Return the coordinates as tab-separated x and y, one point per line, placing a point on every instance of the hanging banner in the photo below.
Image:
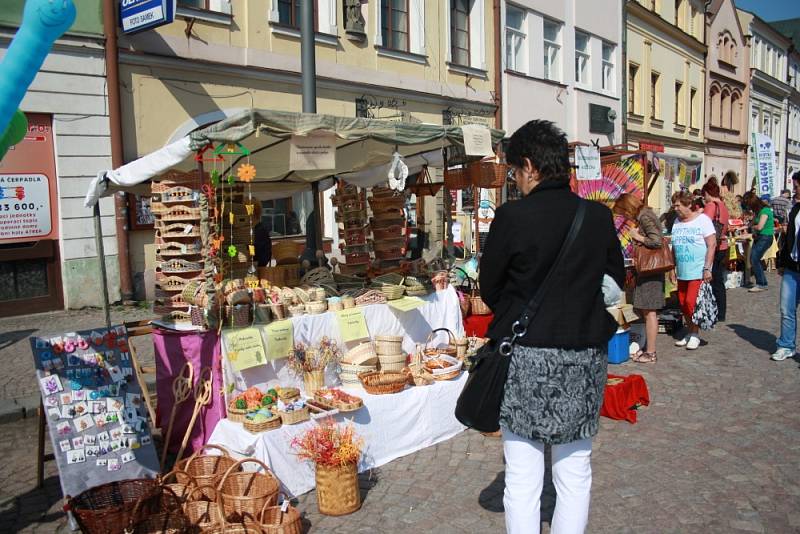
477	140
764	156
587	158
280	339
244	348
352	325
312	152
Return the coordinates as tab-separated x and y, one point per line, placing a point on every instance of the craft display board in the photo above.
94	407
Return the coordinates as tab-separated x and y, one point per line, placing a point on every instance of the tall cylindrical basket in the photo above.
313	380
337	489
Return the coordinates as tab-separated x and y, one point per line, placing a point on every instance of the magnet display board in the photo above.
94	408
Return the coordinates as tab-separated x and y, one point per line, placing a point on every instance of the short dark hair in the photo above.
796	176
545	146
711	188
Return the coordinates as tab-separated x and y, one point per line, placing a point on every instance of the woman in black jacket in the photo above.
557	374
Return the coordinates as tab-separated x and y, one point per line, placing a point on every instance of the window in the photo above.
679	14
736	112
289	13
459	31
552	50
692	22
515	39
633	81
766	122
582	59
693	108
655	97
198	4
394	24
608	67
716	106
678	103
725	114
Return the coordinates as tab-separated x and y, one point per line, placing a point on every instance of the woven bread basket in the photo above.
383	383
295	416
316	307
270	424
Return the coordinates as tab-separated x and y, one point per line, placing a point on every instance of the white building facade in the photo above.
561	62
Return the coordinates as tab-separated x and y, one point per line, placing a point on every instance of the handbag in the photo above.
653	260
478	405
705	314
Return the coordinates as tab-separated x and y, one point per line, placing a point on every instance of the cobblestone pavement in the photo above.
718	450
18	382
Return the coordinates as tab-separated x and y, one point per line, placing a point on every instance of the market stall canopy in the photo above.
364	148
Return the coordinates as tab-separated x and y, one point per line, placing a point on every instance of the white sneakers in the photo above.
782	354
690	342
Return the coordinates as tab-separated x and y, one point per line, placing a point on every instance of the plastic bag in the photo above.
705	310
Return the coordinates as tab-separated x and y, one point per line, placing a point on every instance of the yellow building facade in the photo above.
666	88
430	61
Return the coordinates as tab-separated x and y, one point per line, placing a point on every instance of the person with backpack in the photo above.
717	211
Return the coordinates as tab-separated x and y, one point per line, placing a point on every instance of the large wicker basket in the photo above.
275	521
383	382
204	469
337	489
388	345
449	350
457	178
108	508
247	492
201	513
488	174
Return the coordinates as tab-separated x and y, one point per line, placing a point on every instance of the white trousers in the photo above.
572	478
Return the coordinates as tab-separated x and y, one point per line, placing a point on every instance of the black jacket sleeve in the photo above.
495	259
615	264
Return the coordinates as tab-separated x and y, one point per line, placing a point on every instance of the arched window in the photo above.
715	106
732	52
736	111
725	48
726	109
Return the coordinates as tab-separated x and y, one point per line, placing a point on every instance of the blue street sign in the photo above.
139	15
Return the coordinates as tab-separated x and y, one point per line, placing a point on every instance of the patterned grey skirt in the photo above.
554	395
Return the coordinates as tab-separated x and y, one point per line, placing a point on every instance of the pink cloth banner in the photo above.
172	350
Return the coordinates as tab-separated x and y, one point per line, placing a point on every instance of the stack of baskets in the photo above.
390	353
389	242
176	209
351	214
359	359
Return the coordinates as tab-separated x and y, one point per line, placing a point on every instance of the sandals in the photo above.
644	357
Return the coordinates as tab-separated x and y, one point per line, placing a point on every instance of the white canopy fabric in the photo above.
363	154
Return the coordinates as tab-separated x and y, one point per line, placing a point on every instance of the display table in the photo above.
172	349
392	426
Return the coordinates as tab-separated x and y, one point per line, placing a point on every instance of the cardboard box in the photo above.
623	314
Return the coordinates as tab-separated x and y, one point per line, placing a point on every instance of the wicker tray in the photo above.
236	414
383	383
270	424
295	416
345	407
452	367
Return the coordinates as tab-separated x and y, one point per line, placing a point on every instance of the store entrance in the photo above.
30	278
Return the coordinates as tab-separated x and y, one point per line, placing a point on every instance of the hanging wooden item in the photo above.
424	187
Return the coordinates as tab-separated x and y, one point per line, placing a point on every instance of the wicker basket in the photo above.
204	469
288	394
316	307
362	354
378	224
457	178
451	367
335	305
108	508
278	311
391	232
388	345
382	383
239	315
337	489
161	513
312	381
285	252
392	279
393	292
417	291
478	306
262	314
236	414
275	521
247	492
350	372
295	416
488	174
348	302
264	426
355	404
203	514
296	310
449	350
394	367
461	348
180	489
318	275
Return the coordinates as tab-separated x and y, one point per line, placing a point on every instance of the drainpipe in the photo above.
498	87
624	96
117	160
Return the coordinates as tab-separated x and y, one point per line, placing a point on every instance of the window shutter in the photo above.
220	6
274	14
417	26
378	34
477	37
326	11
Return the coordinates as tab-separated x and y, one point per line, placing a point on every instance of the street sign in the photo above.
651	146
140	15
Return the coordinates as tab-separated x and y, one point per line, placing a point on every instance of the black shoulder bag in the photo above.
478	406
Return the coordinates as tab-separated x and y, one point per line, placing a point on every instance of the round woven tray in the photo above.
235	414
383	383
270	424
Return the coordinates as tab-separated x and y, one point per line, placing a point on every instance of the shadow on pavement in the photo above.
31	508
9	338
760	339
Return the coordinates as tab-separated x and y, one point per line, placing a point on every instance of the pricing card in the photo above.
352	324
280	339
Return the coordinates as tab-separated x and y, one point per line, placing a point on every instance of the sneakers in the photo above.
693	343
782	354
683	342
757	289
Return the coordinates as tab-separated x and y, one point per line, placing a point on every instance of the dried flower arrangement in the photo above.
329	444
305	359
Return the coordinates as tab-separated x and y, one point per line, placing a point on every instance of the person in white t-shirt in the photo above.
694	241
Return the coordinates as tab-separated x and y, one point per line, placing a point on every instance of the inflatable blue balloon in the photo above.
43	21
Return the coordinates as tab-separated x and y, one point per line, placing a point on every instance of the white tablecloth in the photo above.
441	310
391	425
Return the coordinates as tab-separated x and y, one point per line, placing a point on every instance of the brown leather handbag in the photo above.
648	261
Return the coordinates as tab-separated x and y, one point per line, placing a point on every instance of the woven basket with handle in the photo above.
204	469
108	508
247	492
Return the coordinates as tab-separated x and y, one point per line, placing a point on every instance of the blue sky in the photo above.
770	10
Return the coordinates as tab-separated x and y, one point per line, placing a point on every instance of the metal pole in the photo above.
308	60
101	259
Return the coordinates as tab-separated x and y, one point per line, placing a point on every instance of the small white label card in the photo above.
146	440
65	398
134	400
114	464
101	462
116	445
64	428
89	439
76	456
100	420
65	445
115	404
51	384
115	433
127	457
51	401
116	373
78	395
93	451
67	411
77	442
134	443
81	408
84	422
105	446
103	436
53	414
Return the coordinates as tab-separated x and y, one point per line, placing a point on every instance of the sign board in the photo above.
280	339
601	119
312	152
477	140
28	200
764	155
352	325
140	15
651	146
587	158
94	407
244	347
